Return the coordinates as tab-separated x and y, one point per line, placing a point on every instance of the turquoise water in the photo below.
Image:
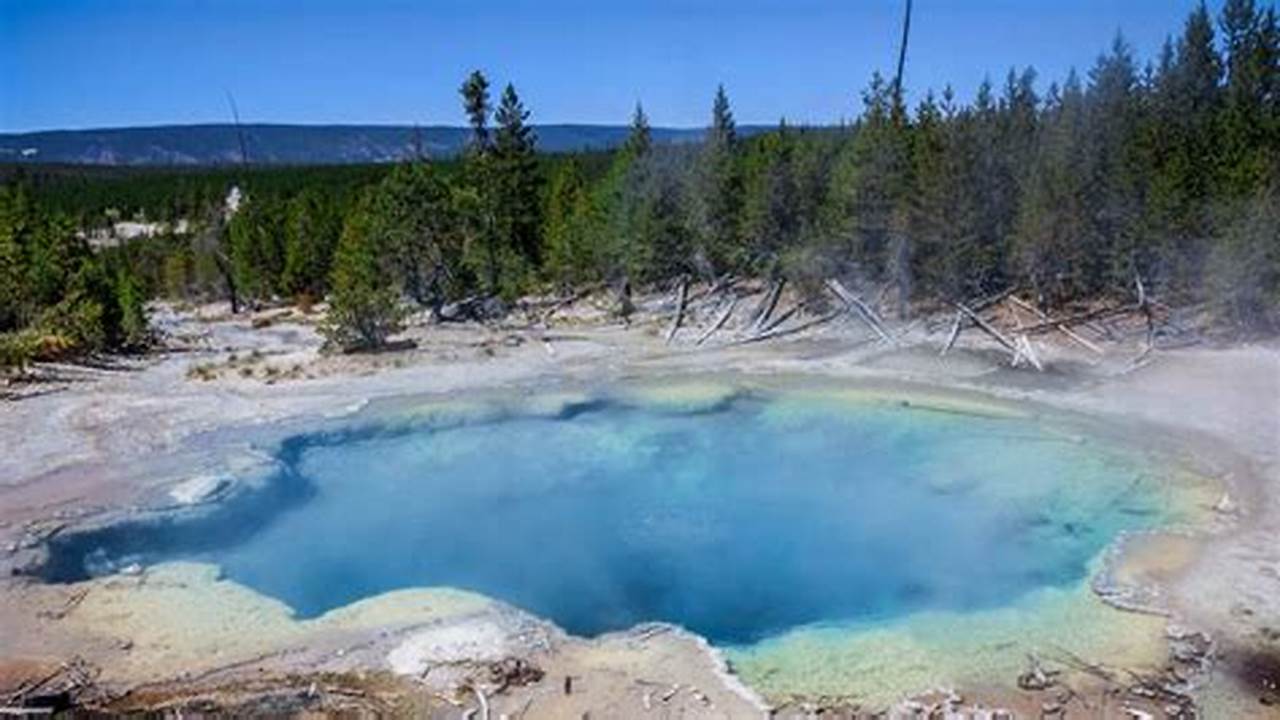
740	521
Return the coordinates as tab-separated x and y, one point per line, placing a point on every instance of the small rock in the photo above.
1226	505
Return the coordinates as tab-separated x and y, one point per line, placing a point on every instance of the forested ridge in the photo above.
1163	172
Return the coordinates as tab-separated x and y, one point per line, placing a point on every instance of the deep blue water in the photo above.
738	523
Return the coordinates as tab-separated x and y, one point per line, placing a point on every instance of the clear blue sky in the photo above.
95	63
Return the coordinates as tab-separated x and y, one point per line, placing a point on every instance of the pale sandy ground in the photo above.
90	445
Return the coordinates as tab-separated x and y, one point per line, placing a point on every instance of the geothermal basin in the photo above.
800	530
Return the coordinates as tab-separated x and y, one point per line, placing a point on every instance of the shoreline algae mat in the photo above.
828	540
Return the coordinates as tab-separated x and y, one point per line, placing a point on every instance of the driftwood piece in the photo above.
1068	332
681	304
1078	319
854	302
976	307
1144	306
720	321
768	305
988	328
774	323
777	333
954	334
1025	350
484	702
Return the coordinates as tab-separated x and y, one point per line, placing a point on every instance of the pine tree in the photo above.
364	305
570	222
412	215
310	234
475	102
134	330
718	194
772	212
1248	123
1116	187
639	140
1184	147
1052	229
517	181
871	185
256	248
948	261
622	249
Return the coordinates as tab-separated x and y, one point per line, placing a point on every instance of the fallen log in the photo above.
1024	347
1078	319
768	304
977	307
680	307
791	330
988	328
781	318
1073	335
1025	350
854	302
954	334
720	321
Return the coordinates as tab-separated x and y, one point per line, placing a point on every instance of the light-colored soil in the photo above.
85	446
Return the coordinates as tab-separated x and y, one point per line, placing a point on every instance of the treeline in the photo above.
94	195
1167	171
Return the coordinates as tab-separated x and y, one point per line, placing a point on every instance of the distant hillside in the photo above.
287	144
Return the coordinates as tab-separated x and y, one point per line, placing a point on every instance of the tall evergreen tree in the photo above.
871	185
772	212
517	181
476	200
639	139
1248	124
475	103
623	248
569	229
1051	237
1113	250
257	248
718	194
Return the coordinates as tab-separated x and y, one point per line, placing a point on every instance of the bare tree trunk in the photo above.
768	305
720	321
902	51
680	306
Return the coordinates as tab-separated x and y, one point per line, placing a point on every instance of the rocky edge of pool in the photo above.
1180	618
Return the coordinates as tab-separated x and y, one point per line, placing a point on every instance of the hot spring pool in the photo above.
740	519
